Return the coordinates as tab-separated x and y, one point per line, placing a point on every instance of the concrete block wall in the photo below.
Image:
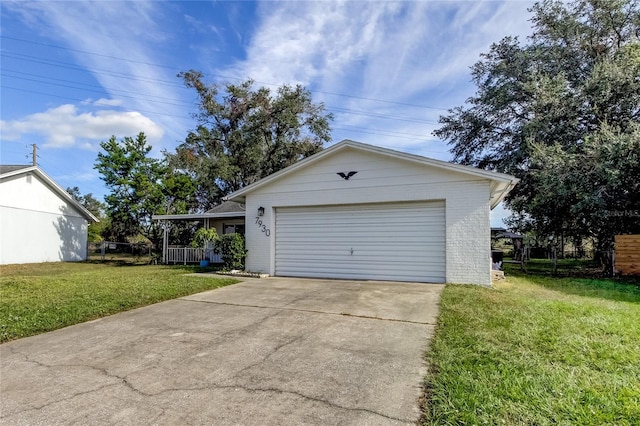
469	234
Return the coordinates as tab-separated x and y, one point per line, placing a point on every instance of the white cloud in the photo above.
135	30
297	42
66	127
382	43
405	52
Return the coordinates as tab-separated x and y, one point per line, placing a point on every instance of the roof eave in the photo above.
499	190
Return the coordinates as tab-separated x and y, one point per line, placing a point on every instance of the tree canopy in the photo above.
561	113
140	187
245	134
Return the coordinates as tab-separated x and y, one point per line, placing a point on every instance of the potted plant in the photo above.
204	238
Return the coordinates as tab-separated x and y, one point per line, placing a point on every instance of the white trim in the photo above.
54	186
501	183
196	216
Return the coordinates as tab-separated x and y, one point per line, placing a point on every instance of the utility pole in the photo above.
34	154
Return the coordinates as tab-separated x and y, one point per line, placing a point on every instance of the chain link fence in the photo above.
117	251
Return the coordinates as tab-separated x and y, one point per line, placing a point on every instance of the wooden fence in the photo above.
627	254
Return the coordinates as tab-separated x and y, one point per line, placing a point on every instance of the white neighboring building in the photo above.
39	220
357	211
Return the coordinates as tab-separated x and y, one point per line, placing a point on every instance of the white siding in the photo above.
380	179
398	242
36	225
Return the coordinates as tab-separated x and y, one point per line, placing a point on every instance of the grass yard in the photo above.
36	298
537	350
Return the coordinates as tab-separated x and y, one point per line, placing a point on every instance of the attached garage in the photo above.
357	211
398	242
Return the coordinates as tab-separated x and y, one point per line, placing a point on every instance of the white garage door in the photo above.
397	242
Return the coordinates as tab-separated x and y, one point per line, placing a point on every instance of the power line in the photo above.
119	92
88	85
86	52
104	91
347	127
185	103
67	65
95	103
380	133
165	82
383	116
367	130
218	75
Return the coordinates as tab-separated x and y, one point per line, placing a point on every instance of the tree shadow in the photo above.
619	289
72	230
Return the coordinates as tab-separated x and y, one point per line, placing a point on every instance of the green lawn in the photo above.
537	350
37	298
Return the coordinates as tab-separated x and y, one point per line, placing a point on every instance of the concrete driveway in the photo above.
272	351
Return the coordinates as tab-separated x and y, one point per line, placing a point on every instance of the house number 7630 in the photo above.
262	227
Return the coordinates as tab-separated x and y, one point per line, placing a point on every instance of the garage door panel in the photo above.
382	229
367	218
335	261
360	275
403	242
389	227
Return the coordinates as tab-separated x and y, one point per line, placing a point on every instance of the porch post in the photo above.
165	243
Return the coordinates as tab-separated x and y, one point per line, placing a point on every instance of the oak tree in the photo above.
561	113
246	133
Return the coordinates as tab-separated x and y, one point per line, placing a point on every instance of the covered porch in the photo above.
226	218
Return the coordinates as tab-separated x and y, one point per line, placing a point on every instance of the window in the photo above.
233	229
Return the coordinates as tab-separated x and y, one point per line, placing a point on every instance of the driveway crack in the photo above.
103	371
288	392
313	311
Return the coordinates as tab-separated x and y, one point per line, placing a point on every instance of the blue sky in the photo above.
74	73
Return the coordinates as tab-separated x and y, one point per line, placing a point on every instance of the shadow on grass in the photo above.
625	289
145	261
116	262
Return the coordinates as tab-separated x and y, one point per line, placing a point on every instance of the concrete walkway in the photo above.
271	351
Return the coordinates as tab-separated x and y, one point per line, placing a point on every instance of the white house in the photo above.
39	221
357	211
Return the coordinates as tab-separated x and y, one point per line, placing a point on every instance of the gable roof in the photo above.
7	171
228	207
11	168
501	183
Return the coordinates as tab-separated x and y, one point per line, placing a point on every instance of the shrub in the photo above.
233	250
203	237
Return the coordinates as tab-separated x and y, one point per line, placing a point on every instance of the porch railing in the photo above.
187	255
